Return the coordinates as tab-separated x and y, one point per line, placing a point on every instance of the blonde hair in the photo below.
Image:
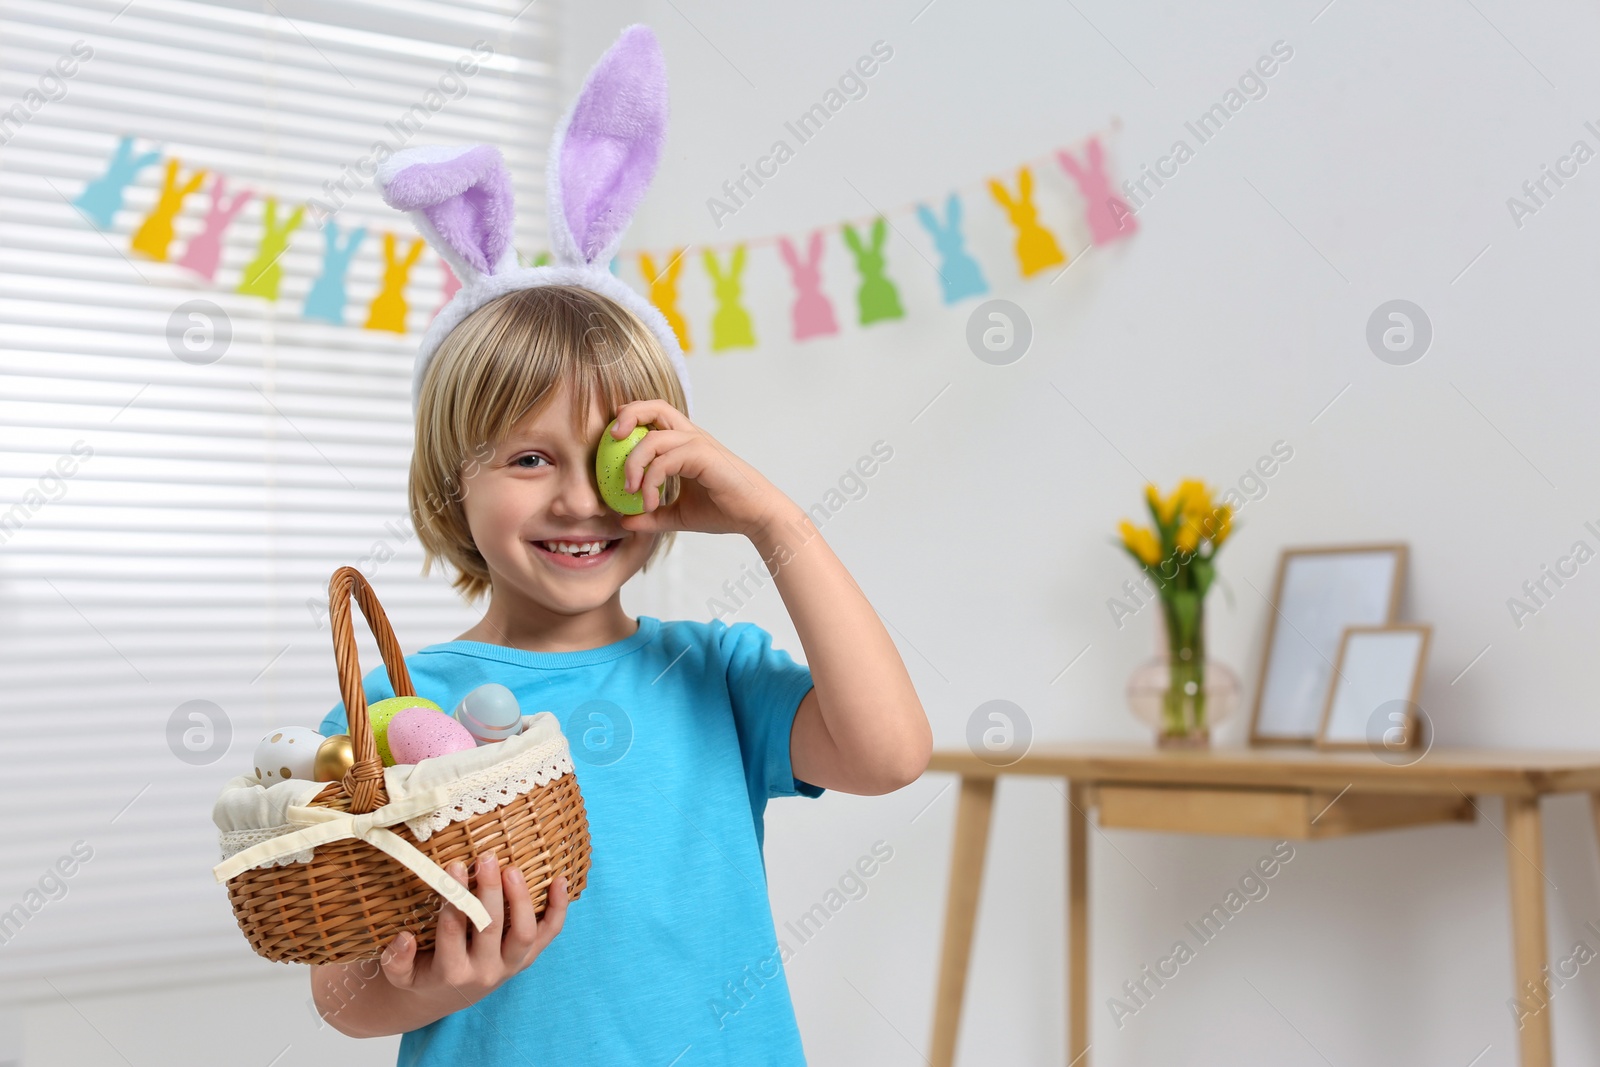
502	364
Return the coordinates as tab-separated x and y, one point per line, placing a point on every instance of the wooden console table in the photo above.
1295	793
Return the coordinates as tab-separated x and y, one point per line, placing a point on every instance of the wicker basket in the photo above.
352	899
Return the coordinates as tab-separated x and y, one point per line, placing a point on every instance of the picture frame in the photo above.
1376	666
1317	592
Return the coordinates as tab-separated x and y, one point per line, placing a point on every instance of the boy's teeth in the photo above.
588	548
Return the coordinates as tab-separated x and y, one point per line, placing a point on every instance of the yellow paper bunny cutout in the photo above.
1036	247
155	233
664	292
388	311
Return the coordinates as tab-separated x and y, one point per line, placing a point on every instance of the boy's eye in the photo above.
528	467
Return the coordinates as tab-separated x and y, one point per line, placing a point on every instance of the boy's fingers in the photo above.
399	960
486	942
555	913
645	452
521	926
450	942
657	413
662	468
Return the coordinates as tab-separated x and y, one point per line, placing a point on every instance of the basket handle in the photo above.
364	781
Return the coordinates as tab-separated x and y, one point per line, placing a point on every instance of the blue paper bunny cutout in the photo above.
958	272
326	299
101	199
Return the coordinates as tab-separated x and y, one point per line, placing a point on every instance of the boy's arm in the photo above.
861	729
358	1000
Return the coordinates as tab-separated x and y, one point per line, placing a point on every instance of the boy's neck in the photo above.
538	630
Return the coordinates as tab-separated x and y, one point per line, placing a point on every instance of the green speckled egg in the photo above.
608	460
380	715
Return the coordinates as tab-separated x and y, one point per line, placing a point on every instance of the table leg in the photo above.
1077	926
1594	804
1525	859
961	912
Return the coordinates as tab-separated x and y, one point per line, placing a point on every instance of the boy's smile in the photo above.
556	552
579	554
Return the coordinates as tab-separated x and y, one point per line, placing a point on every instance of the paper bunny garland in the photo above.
602	157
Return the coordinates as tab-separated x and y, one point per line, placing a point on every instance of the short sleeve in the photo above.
765	686
375	684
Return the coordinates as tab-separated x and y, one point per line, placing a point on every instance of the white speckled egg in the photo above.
417	734
490	713
287	752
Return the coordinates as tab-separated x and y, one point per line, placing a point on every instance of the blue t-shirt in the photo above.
679	735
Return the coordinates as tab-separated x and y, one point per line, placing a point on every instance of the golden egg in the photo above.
335	756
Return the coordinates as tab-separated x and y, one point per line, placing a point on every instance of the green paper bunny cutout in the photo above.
877	297
730	323
262	274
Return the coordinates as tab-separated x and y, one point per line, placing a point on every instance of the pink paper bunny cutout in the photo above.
205	251
813	314
1109	215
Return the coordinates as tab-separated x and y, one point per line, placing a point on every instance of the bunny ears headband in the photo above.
602	157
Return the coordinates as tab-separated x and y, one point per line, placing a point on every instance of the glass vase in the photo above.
1180	693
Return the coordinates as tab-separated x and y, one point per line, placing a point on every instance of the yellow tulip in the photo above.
1195	497
1221	522
1188	535
1141	541
1163	508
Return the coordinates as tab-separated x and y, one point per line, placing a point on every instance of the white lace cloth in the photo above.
265	826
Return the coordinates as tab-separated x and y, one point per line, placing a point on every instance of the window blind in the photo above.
184	464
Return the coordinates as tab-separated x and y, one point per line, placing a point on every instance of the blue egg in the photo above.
490	713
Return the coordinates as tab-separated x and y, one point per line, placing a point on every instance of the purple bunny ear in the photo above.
605	149
460	199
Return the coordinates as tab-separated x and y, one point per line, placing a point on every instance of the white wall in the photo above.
1381	160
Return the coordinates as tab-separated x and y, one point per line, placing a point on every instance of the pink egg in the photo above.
416	734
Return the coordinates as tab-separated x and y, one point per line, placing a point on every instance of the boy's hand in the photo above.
460	970
718	492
